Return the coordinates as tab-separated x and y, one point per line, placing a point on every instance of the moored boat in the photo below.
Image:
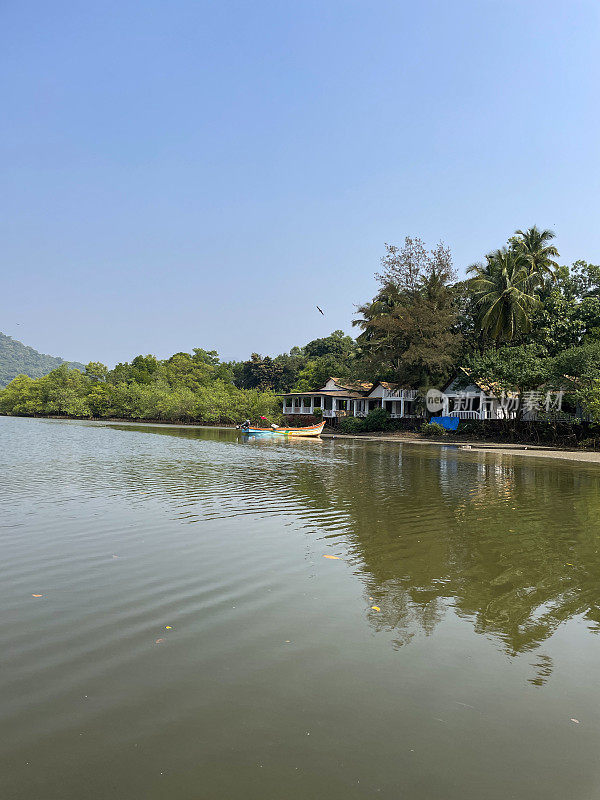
311	430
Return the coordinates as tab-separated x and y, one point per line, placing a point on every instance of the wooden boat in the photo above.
311	430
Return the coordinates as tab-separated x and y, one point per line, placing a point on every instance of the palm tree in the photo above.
505	294
533	244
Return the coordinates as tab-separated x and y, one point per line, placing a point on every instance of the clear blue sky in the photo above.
181	174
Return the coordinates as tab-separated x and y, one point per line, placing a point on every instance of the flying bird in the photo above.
321	310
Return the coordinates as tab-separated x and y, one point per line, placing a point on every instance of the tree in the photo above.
569	311
99	400
578	366
260	373
16	397
336	344
517	369
210	357
534	246
141	370
409	328
316	372
467	321
183	387
96	371
589	399
290	365
505	293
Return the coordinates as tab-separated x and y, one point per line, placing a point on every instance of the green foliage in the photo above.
433	429
18	359
376	420
336	344
519	368
589	397
289	366
141	370
409	331
316	372
260	373
302	369
62	392
578	370
96	371
351	425
183	388
506	294
534	246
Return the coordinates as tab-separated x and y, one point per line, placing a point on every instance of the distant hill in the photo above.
18	359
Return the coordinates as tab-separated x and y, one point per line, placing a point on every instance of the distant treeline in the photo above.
519	322
185	387
190	387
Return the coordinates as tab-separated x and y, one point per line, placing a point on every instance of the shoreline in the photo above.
495	448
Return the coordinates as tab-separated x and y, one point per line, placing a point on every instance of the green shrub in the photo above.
376	420
433	429
351	425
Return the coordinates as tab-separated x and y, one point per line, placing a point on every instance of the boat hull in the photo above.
311	430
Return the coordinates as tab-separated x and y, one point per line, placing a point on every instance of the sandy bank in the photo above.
538	451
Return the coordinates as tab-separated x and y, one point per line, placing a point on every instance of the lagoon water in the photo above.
193	642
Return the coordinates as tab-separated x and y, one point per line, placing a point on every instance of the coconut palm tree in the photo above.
505	293
534	245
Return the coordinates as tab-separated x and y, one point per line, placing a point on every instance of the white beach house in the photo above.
340	398
466	398
462	397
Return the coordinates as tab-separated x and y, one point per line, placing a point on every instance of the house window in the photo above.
317	402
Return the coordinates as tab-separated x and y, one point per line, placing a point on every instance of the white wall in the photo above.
376	391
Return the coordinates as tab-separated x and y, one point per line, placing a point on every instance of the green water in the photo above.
277	678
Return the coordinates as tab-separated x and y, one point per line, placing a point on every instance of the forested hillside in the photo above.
18	359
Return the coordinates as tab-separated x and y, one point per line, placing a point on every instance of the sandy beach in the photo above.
537	451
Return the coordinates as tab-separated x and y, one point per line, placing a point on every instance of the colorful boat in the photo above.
311	430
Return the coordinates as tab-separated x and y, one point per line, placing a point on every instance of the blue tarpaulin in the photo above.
450	423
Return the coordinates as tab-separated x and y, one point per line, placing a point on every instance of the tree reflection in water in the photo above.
510	544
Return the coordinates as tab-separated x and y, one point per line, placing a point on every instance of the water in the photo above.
277	678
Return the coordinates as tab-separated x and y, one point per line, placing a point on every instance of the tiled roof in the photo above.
489	388
356	386
342	393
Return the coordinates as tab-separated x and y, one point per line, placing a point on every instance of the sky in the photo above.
203	174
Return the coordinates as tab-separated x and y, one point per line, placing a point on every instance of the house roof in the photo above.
493	387
342	393
355	386
355	390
